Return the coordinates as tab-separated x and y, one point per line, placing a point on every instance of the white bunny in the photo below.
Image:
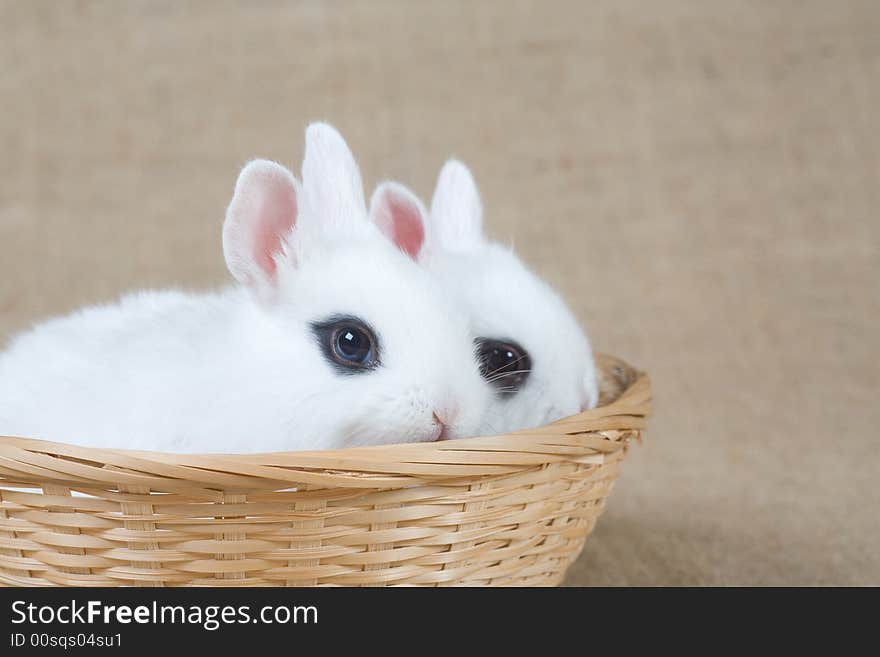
333	338
534	354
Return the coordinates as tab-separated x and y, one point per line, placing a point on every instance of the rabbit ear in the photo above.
262	213
400	215
332	187
456	212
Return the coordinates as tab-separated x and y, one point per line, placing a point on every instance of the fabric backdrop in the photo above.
700	179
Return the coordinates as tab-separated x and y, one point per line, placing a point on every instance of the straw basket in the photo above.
488	511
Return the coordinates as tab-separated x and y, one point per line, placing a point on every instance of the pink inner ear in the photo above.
408	232
277	217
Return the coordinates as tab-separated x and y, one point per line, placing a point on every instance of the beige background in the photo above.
701	180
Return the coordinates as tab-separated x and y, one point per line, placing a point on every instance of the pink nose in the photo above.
444	430
445	415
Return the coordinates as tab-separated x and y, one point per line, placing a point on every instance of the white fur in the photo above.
505	300
239	370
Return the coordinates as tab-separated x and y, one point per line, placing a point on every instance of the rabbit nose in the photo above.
444	429
445	415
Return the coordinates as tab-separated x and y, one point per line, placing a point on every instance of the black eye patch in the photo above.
504	364
349	344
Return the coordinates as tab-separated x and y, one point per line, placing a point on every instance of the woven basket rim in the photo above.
513	509
599	431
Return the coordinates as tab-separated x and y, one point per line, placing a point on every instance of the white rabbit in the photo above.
333	338
534	354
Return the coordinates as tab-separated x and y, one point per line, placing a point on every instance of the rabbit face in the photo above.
388	353
534	355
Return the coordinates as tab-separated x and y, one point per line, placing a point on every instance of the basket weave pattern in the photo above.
491	511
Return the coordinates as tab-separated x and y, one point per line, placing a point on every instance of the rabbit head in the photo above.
534	355
376	350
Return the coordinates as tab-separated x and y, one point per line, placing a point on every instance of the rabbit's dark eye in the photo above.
504	364
348	343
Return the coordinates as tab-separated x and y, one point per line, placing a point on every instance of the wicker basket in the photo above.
488	511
